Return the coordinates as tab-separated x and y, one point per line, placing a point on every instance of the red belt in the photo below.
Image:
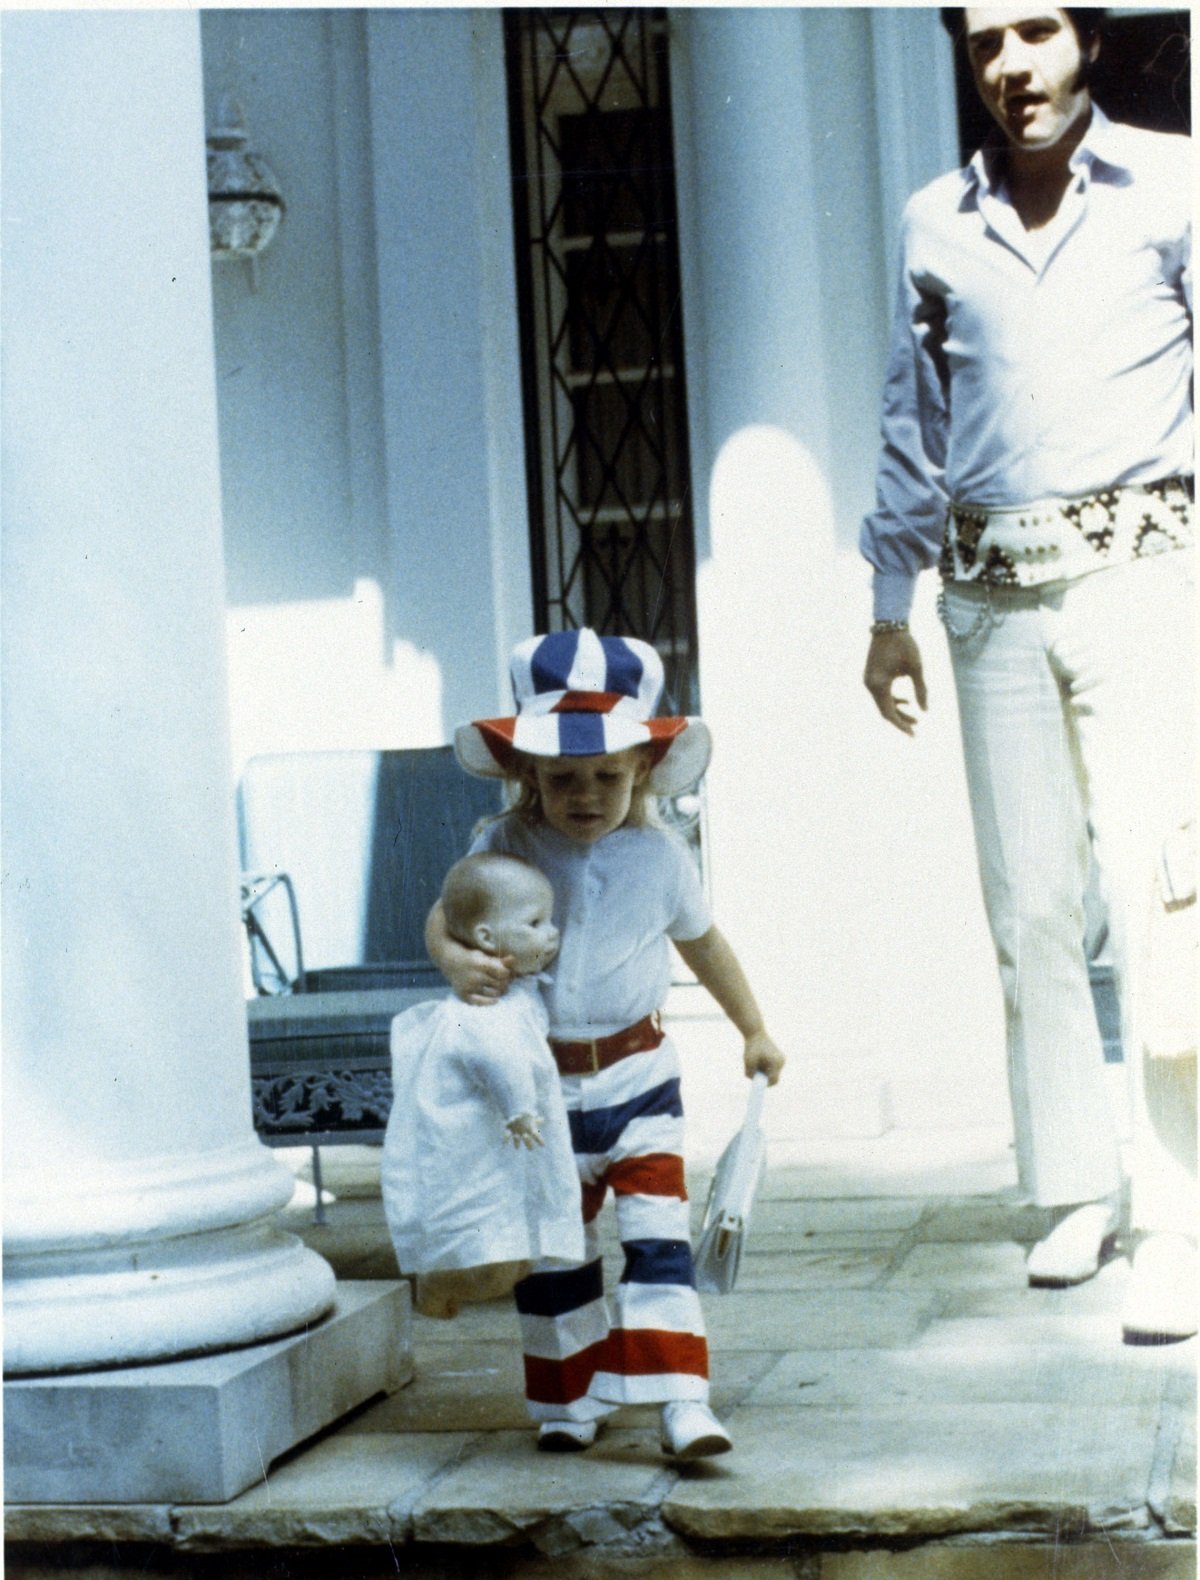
590	1056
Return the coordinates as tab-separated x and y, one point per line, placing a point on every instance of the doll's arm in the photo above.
502	1067
716	967
476	977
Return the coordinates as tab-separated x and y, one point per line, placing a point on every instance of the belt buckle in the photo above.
593	1048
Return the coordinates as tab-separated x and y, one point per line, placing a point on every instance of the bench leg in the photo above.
319	1209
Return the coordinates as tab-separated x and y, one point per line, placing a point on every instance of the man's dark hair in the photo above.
1087	20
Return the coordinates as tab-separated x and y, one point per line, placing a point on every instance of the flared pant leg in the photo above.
1077	707
585	1353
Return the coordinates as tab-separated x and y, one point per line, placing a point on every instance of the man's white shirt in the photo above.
1027	366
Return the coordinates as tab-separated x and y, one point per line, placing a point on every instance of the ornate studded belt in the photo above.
590	1055
1055	539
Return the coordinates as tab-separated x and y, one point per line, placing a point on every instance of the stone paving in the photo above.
903	1407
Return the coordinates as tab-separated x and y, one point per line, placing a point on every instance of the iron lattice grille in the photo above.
598	269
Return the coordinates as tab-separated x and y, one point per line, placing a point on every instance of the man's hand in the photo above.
526	1131
893	656
761	1054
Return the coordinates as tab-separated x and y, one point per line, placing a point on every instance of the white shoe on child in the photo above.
566	1437
691	1431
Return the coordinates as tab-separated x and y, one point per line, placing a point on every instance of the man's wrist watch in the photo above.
885	627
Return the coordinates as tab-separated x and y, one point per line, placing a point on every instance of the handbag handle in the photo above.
758	1088
740	1173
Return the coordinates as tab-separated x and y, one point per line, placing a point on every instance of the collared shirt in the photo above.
1027	366
616	903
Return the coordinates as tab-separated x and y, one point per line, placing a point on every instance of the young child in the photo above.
586	756
478	1176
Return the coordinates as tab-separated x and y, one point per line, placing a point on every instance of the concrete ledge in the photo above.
202	1430
968	1560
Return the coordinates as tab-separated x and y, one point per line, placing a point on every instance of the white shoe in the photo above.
566	1437
1161	1303
1074	1249
691	1431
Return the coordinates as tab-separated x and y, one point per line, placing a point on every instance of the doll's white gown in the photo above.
457	1193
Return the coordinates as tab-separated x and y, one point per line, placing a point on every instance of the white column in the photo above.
840	853
448	349
137	1199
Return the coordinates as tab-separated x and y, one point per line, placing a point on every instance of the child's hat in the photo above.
580	695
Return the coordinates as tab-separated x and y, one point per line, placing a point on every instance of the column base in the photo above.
75	1310
203	1430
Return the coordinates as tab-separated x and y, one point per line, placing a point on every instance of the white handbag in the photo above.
730	1198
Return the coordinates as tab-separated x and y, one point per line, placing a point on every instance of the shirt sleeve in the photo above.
498	1062
1185	271
691	917
902	536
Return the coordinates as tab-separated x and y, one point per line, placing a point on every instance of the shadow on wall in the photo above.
295	340
361	487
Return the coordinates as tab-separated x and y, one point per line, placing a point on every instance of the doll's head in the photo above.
503	906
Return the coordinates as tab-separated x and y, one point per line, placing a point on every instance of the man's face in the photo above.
1028	65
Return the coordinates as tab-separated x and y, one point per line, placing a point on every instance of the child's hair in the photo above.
469	889
525	801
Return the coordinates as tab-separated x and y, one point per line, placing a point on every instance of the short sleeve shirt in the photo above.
616	903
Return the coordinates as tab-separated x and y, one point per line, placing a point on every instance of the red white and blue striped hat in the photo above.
579	695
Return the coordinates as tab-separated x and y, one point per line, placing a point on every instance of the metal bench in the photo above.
344	853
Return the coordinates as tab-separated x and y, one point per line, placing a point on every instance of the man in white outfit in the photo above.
1037	446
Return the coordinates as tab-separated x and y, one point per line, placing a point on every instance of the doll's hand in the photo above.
761	1054
478	978
526	1131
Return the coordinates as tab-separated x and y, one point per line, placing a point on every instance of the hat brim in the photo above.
680	747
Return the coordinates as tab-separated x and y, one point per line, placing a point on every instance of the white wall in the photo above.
375	504
841	853
369	384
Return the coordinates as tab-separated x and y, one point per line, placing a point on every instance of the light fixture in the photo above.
245	204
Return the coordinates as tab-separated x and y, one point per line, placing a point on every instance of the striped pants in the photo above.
583	1358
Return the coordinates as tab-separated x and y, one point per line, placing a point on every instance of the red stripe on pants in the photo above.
627	1352
655	1174
646	1352
562	1382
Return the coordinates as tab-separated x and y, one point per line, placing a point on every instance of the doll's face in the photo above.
518	923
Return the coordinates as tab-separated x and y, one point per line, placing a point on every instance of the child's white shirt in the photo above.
616	904
457	1192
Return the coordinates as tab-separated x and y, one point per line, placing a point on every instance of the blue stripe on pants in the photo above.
658	1262
599	1129
552	1294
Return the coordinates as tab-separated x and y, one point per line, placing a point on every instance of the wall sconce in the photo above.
245	204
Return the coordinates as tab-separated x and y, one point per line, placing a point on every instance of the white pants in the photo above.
1077	702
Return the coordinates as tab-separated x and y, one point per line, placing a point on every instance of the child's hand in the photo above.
478	978
762	1054
526	1131
475	976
